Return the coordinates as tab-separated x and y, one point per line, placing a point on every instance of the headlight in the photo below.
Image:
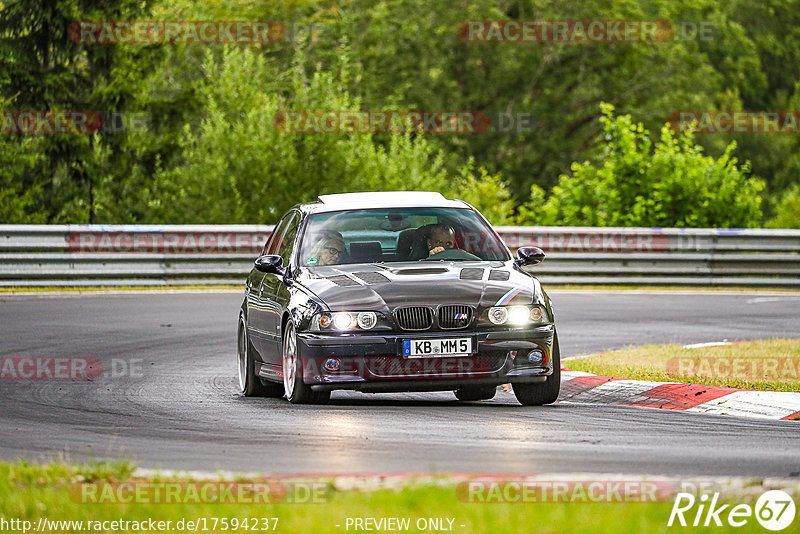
517	315
498	315
343	321
366	320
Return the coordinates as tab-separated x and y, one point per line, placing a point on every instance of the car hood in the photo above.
382	287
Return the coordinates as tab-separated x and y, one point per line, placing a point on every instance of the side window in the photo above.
285	250
274	240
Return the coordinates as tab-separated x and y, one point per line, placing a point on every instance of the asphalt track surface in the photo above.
180	410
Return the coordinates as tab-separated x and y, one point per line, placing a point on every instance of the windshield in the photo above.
397	235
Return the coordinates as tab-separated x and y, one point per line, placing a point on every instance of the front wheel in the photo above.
249	383
542	393
297	392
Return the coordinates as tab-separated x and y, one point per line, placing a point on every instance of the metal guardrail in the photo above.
108	255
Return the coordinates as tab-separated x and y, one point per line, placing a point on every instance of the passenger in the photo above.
329	250
442	237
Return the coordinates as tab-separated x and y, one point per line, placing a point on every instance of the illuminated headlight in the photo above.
367	320
343	321
498	315
518	314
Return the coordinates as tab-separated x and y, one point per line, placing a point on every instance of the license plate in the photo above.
428	348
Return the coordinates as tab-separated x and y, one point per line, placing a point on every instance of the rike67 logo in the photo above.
774	510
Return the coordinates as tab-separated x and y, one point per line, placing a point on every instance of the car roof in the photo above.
382	199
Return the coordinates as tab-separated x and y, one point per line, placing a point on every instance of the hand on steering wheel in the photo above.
440	253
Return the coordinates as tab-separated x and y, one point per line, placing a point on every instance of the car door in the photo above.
258	309
275	296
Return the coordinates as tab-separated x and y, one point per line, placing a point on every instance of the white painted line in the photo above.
760	300
766	404
710	344
569	375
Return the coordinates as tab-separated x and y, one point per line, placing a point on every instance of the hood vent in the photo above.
372	277
471	274
500	276
343	280
429	270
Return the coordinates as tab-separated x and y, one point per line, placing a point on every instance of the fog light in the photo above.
536	357
331	365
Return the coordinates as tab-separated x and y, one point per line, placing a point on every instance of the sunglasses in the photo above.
334	251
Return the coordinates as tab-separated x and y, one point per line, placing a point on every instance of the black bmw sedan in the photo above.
394	291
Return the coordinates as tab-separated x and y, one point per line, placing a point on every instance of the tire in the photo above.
542	393
297	392
475	393
250	385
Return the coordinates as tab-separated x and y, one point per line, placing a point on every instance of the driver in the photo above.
329	250
442	237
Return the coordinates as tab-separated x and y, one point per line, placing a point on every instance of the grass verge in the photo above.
770	365
29	492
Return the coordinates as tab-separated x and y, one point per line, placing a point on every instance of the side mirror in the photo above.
270	264
529	256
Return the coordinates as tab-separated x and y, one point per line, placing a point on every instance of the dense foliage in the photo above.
207	149
669	183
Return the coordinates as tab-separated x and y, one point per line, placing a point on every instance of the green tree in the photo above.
417	61
42	69
18	204
237	166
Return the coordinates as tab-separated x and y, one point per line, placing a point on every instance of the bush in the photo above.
487	193
787	213
636	183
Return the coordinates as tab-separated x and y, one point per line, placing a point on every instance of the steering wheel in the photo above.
451	254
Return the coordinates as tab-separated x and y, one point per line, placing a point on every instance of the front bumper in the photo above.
375	363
